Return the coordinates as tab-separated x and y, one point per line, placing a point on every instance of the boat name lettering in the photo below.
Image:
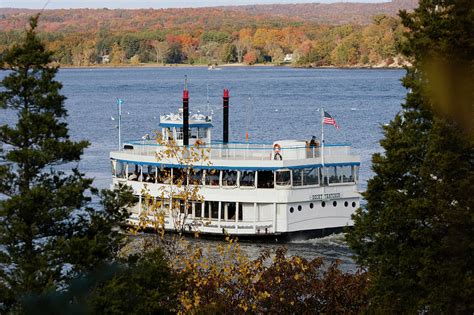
325	196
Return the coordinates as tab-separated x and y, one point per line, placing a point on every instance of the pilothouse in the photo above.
280	190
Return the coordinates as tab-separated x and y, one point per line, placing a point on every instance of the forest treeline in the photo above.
209	36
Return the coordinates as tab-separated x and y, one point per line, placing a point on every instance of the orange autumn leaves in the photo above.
226	280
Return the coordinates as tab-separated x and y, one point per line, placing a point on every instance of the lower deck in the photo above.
243	218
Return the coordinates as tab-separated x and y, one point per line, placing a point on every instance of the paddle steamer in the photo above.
281	190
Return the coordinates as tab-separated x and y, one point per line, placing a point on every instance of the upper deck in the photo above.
289	150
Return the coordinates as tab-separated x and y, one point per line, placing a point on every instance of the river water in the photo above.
272	103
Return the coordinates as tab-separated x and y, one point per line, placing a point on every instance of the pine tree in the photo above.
48	231
416	233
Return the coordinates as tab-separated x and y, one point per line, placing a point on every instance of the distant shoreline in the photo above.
228	65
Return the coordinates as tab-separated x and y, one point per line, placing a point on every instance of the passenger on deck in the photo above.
133	176
313	143
276	152
149	178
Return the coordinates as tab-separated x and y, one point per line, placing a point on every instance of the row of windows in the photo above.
194	133
233	178
230	211
323	204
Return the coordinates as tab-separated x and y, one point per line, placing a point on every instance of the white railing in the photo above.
214	225
242	151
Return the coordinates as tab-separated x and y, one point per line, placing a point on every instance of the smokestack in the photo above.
185	118
226	116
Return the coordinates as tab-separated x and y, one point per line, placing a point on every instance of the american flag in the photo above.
328	120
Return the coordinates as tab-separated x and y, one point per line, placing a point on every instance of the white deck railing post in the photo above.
219	210
274	217
255	210
236	217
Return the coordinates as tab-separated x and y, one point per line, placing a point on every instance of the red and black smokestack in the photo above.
185	118
226	116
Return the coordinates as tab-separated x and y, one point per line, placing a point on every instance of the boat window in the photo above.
229	178
202	133
165	206
345	174
193	133
311	176
212	177
149	173
247	178
178	205
297	178
195	177
120	170
265	179
164	176
283	178
179	176
169	133
213	208
231	210
113	164
134	172
331	173
189	207
179	133
355	173
181	206
197	209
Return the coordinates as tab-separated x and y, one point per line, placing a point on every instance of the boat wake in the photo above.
336	240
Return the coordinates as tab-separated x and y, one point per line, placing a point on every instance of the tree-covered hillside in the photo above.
247	34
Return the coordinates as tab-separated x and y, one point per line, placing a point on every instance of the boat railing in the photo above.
242	151
213	225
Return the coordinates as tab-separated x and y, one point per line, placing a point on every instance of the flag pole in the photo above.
322	136
323	169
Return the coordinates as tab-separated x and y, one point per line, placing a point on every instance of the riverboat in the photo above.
285	189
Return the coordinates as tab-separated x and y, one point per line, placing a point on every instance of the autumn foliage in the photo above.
249	35
250	58
230	282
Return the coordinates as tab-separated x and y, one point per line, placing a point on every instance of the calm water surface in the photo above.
273	103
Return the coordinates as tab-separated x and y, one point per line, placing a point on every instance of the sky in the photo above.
135	4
